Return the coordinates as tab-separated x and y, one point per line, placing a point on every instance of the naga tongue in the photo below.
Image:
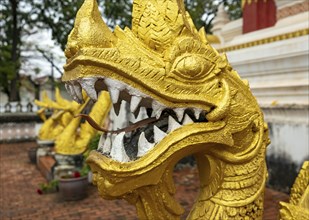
130	128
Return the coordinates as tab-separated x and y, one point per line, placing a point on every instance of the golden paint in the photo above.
298	206
70	135
268	40
63	112
75	136
166	58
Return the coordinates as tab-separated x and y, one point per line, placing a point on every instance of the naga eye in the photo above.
191	67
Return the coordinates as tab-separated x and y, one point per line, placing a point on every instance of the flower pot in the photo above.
73	188
32	154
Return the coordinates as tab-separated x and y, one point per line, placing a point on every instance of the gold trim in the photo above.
267	40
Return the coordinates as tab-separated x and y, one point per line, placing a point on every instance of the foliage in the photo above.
49	187
85	170
93	145
9	45
58	16
117	12
19	18
94	142
203	11
233	8
7	67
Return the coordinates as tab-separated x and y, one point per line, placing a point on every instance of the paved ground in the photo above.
18	198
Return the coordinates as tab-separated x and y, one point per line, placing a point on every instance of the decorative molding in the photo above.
267	40
290	114
292	10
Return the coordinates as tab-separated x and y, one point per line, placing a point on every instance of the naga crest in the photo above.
173	95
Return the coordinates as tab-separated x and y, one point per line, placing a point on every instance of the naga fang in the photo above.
164	70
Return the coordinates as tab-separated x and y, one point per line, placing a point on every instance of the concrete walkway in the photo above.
19	180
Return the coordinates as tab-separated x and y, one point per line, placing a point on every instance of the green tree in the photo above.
117	12
203	11
19	18
59	15
10	47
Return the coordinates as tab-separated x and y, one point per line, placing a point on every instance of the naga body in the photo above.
179	97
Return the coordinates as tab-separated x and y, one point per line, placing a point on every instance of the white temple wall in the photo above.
289	141
278	74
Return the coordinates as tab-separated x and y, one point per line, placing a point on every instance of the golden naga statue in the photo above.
173	95
298	206
63	113
70	135
75	136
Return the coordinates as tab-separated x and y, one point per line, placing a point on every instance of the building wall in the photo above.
276	64
278	77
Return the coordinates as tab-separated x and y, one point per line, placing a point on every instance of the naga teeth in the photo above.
179	112
143	145
114	84
134	103
118	152
132	118
69	87
172	124
107	145
101	143
122	116
78	92
197	112
88	85
135	100
114	94
157	109
158	134
142	114
120	119
187	120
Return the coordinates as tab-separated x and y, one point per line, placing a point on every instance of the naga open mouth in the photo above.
137	123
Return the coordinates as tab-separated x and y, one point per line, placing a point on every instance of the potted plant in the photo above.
93	145
49	187
73	185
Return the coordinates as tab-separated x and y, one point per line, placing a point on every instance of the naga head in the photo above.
173	95
63	112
